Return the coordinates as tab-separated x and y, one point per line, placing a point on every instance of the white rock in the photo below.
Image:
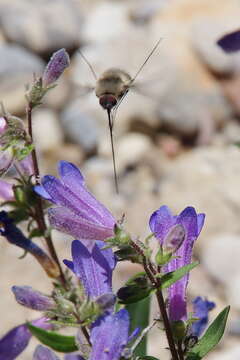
47	130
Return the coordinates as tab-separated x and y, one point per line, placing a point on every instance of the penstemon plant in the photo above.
107	325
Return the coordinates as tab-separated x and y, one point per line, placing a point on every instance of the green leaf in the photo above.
173	276
35	233
54	340
139	316
211	337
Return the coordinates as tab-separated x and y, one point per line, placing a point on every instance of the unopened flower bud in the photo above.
33	299
179	329
162	258
56	66
65	306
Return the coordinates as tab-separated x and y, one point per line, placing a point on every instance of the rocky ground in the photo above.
176	133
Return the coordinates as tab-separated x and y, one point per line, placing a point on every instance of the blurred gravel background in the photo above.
175	135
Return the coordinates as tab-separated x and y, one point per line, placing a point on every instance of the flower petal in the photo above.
63	220
201	308
74	181
39	189
14	342
43	353
109	336
73	357
6	190
17	339
64	196
161	221
230	42
94	263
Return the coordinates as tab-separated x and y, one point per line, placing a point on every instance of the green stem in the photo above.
157	284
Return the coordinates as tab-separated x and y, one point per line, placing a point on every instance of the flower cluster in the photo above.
109	324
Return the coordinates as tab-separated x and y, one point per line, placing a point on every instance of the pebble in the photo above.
39	26
80	127
17	66
47	130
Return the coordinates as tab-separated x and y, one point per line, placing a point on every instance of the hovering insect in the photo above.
111	88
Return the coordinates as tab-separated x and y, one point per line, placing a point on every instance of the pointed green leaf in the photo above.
170	278
54	340
211	337
139	316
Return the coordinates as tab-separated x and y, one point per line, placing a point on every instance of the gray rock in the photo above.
80	127
17	66
220	257
42	26
46	122
204	34
208	179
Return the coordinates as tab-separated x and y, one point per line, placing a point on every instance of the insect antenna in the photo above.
148	57
89	65
110	124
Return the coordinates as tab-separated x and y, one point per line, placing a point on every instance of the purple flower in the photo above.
109	336
33	299
78	213
161	223
56	66
201	308
6	191
43	353
17	339
230	42
16	237
93	268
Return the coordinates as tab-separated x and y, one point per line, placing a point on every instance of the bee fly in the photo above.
111	88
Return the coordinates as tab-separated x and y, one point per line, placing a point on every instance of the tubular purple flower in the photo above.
16	237
201	308
17	339
56	66
33	299
161	223
6	191
78	213
230	42
109	336
43	353
94	269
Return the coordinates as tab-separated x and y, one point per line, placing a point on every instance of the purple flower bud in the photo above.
6	191
16	340
16	237
230	42
33	299
56	66
43	353
26	166
78	213
201	309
